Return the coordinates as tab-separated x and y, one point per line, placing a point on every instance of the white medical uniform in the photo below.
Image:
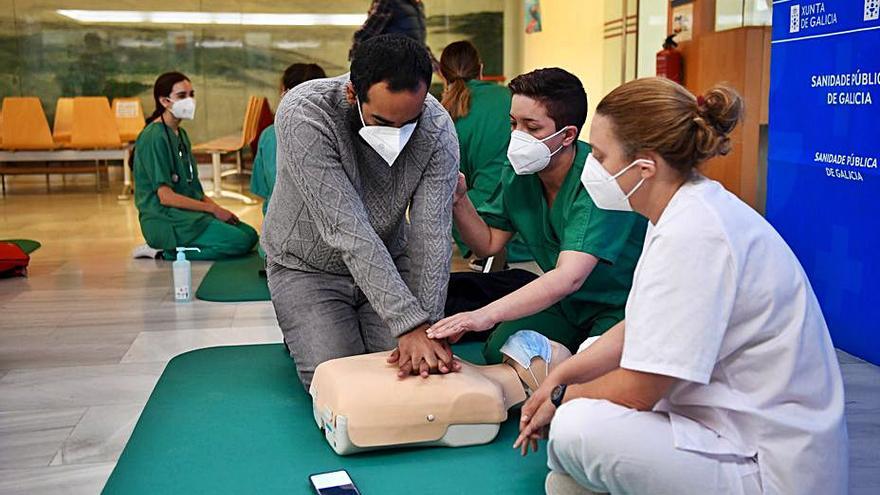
720	302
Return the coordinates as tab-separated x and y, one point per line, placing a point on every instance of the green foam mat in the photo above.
235	280
26	245
236	420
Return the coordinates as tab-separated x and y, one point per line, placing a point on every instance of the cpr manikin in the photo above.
361	404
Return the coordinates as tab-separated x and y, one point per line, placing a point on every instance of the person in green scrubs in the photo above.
588	255
480	111
263	178
173	209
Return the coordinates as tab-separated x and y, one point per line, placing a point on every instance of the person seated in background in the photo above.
357	235
263	177
173	209
481	112
588	254
723	377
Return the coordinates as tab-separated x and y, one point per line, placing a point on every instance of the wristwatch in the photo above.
558	394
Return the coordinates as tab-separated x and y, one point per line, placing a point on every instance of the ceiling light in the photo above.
224	18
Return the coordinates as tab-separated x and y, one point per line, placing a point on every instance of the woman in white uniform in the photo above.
722	379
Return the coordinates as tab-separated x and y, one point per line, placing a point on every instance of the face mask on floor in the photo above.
184	109
387	141
603	187
525	345
528	154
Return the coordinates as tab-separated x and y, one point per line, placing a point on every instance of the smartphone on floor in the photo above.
333	483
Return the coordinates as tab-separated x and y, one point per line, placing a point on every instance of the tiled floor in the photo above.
84	338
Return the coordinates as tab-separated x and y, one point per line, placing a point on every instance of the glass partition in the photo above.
732	14
231	49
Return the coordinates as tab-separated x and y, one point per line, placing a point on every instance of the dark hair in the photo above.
393	58
685	130
560	91
459	63
297	74
391	16
161	88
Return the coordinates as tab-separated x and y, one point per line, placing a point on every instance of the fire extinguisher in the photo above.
670	62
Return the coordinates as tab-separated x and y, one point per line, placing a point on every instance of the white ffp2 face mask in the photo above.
528	154
603	187
184	109
387	141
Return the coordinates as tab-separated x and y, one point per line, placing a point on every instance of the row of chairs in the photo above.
85	122
91	128
86	128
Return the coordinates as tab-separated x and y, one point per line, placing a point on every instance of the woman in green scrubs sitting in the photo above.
480	111
588	255
173	208
263	178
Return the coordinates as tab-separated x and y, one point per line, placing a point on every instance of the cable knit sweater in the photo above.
339	208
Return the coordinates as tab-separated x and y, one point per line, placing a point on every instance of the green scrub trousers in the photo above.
553	323
220	240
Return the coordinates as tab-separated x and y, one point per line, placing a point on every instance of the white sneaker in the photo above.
145	251
563	484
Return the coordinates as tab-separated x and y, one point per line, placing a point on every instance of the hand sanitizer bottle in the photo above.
183	276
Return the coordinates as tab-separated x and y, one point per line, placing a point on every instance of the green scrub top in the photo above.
155	165
483	136
574	223
263	177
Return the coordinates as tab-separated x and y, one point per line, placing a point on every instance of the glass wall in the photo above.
652	32
731	14
231	49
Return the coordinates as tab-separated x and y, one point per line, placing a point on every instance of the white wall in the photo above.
572	38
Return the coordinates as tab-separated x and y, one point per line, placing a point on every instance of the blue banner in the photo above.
823	181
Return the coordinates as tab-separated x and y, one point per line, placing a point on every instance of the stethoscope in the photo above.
181	151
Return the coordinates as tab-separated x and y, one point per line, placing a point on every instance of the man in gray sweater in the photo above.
357	234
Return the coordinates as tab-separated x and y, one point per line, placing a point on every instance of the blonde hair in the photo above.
459	63
656	114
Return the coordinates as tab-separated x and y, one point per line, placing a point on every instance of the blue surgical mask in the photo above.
525	345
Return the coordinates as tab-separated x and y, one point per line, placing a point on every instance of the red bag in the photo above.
13	260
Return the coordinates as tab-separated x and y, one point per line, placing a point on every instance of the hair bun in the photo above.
718	112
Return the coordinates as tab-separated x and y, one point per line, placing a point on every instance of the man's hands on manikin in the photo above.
416	354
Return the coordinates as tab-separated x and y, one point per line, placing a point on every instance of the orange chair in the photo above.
25	125
63	121
129	118
234	144
93	138
94	126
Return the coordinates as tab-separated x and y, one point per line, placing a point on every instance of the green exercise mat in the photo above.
26	245
235	280
236	420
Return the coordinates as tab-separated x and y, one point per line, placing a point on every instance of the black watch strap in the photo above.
558	394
